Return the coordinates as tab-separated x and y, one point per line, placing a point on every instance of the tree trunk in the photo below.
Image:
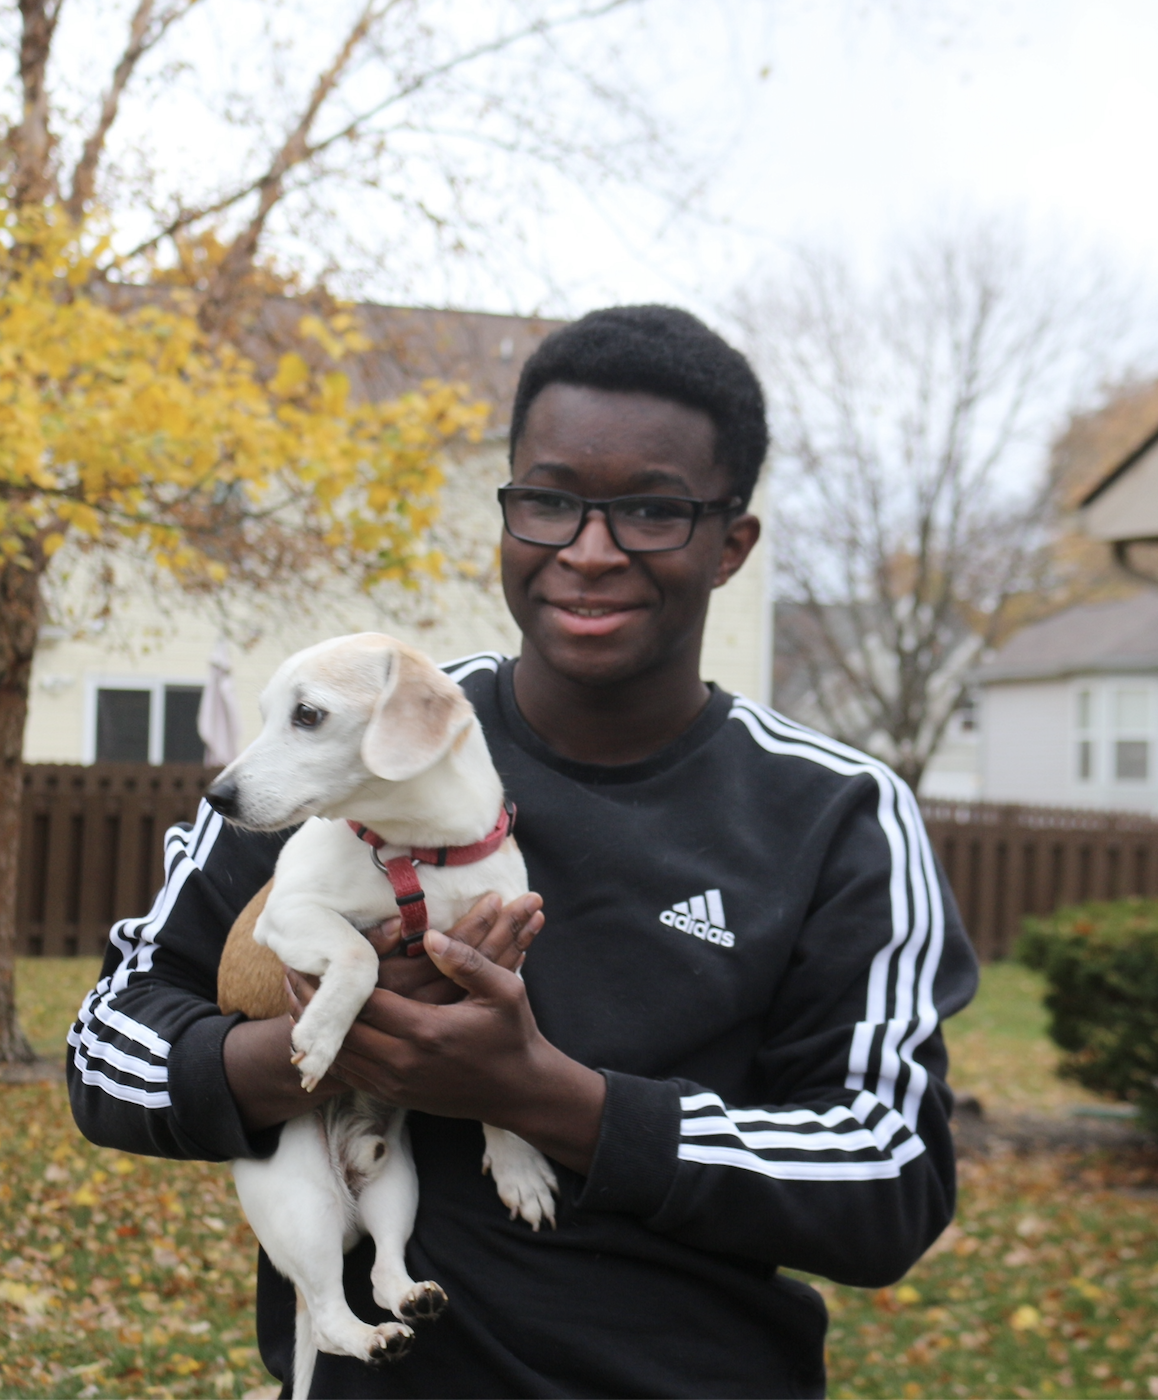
32	141
20	614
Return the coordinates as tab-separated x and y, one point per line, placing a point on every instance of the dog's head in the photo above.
337	717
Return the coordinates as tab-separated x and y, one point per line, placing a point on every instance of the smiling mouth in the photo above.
594	609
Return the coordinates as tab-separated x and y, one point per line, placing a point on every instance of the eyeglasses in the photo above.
638	524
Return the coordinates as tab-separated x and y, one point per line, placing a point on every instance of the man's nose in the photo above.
594	551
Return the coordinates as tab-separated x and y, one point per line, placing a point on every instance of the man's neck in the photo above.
609	724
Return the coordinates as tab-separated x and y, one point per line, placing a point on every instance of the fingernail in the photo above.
436	942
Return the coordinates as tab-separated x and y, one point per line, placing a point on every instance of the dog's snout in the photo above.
222	797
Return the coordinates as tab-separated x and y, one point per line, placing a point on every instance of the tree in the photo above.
908	421
347	135
132	424
133	433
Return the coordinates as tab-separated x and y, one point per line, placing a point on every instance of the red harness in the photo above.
404	879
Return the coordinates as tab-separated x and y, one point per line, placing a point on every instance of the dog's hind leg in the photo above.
300	1212
386	1209
305	1353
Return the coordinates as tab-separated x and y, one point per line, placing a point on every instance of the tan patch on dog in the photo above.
251	977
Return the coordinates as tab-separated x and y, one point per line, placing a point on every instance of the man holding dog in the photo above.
727	1033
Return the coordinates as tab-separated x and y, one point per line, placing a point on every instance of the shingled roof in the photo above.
482	350
1099	637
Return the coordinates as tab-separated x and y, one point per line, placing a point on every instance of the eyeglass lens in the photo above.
637	523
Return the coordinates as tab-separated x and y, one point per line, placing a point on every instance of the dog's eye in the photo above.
307	717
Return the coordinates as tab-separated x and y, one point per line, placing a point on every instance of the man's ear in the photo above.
739	542
416	717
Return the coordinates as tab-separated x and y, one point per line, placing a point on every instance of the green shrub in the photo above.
1101	964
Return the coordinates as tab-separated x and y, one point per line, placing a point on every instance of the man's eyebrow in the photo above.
639	481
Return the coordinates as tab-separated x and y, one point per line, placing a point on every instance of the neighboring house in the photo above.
1069	712
129	688
1123	508
810	688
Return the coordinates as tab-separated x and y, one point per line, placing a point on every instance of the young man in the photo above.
727	1036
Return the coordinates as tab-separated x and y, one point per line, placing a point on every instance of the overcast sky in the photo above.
850	121
878	116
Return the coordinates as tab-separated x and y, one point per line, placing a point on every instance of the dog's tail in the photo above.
305	1353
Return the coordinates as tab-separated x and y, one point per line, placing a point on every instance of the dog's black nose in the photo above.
222	797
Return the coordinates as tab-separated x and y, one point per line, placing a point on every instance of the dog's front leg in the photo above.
523	1177
313	939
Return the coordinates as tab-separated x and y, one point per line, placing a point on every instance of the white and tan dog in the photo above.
363	729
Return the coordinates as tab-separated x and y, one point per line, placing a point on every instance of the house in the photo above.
1069	710
811	688
1122	510
129	688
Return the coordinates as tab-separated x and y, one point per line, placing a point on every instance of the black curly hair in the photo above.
664	351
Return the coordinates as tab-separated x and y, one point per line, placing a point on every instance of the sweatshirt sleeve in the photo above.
145	1068
841	1163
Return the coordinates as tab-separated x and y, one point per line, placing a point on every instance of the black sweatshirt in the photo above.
749	936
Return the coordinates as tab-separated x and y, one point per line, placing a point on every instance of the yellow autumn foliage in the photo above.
120	421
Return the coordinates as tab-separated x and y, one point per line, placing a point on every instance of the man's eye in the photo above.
546	503
654	509
307	717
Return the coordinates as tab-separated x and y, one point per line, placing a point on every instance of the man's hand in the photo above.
265	1084
480	1057
501	934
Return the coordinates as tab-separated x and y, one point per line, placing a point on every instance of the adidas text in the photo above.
702	916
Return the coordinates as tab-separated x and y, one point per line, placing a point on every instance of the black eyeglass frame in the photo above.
699	510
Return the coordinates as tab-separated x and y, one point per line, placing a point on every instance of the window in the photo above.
143	721
1131	734
1131	710
1085	759
1084	717
181	742
1132	760
123	725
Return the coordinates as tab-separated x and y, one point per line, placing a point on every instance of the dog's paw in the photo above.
390	1341
422	1303
523	1176
315	1049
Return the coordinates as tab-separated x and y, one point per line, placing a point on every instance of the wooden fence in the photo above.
91	847
91	853
1004	862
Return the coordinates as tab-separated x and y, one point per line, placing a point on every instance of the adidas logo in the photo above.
703	916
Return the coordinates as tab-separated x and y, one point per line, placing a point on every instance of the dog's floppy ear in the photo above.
417	716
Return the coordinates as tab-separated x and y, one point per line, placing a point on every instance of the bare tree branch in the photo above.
296	150
145	32
901	417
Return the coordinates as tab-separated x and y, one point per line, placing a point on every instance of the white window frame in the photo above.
155	685
1143	734
1103	732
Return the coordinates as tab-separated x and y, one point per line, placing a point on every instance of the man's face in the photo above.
594	613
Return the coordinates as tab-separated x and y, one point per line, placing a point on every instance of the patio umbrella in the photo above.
219	717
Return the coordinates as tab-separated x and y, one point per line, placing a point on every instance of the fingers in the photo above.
478	921
481	978
385	936
299	991
514	931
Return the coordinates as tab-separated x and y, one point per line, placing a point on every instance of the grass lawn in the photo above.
1043	1287
999	1050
